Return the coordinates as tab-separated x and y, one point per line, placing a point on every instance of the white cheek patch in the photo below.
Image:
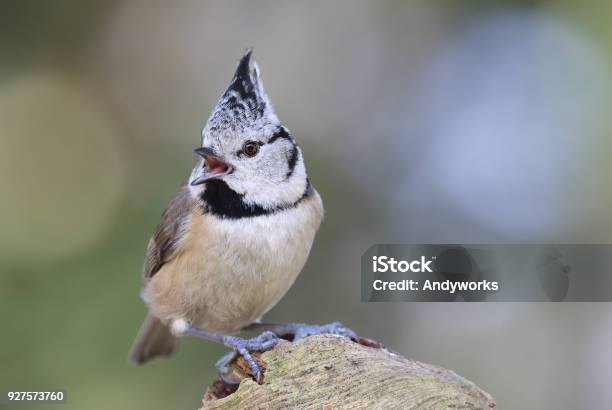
272	191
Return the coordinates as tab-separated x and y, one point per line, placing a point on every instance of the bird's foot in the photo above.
244	347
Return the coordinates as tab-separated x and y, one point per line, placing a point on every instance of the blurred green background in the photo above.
421	121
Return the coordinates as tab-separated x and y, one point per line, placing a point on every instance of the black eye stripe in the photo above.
281	133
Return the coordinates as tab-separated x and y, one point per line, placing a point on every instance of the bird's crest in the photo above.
244	104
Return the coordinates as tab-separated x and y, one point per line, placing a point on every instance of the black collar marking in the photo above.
220	200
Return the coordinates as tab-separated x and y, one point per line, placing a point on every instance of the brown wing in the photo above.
165	239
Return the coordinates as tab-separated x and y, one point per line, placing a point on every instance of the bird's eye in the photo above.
250	148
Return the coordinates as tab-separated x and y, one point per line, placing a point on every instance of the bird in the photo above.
235	236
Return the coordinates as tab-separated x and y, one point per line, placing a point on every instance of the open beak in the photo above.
215	166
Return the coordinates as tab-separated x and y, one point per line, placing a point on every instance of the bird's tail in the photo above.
153	340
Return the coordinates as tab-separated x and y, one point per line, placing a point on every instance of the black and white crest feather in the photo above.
244	105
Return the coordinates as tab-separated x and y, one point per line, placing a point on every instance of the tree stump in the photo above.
333	372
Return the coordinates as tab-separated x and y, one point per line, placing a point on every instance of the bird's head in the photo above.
246	149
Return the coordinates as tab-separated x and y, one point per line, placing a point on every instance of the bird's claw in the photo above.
244	347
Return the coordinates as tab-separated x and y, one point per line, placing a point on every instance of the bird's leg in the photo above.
301	330
265	341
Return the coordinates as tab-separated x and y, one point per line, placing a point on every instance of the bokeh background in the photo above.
421	121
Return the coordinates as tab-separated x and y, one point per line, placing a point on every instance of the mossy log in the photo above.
333	372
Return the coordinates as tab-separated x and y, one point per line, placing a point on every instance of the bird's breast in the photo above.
229	272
